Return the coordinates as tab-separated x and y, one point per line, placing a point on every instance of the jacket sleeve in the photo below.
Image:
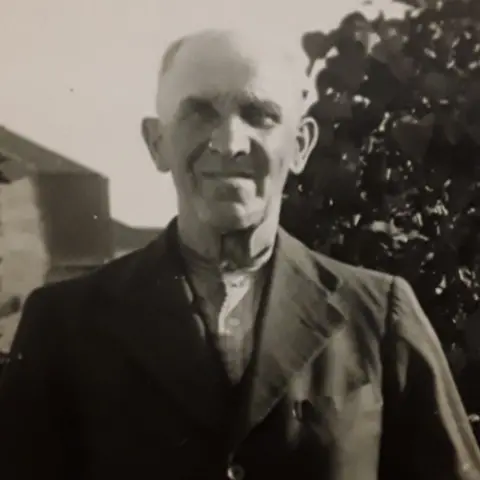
426	430
30	417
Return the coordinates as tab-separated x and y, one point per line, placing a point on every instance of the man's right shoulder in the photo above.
95	283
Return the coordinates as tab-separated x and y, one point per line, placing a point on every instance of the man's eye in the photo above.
204	109
259	117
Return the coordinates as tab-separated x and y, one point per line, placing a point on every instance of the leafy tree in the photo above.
394	181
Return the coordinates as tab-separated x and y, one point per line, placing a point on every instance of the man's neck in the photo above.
246	249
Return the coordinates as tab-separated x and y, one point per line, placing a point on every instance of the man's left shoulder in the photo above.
353	276
335	275
356	290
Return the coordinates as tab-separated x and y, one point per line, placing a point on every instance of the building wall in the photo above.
52	227
76	218
25	256
25	259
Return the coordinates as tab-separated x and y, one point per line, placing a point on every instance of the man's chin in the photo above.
235	218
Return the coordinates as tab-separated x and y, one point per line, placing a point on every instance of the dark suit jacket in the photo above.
110	378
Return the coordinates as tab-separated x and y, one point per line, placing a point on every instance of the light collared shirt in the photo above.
228	304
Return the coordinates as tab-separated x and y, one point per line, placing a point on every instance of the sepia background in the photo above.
393	184
78	76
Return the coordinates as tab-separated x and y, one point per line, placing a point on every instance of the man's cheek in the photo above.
280	162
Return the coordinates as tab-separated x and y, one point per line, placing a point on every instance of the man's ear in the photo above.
152	136
307	138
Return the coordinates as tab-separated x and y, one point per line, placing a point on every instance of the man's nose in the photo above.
231	138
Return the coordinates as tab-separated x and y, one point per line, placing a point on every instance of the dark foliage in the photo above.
394	182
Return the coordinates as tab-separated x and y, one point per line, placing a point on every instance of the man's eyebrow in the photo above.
253	100
244	100
193	101
269	107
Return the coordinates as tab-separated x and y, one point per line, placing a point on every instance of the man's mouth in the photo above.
227	175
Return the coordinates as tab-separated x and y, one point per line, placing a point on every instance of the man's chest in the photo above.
334	394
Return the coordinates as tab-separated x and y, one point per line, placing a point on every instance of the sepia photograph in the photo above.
240	240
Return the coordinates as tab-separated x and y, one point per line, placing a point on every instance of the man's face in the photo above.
231	135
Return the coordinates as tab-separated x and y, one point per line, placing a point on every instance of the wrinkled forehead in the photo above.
215	64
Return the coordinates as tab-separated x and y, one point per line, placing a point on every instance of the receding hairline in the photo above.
282	49
286	49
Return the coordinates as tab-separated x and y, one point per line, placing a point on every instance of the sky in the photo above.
77	76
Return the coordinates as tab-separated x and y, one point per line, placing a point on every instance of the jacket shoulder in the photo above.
94	283
354	276
363	295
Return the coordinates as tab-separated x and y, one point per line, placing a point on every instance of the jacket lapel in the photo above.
159	329
155	322
299	319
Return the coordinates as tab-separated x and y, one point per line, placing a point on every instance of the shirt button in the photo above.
235	472
233	322
303	411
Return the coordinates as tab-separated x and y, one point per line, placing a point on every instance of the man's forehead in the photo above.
216	63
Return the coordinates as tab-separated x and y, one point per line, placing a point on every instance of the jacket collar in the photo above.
156	324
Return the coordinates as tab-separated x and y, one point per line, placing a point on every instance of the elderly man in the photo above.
226	348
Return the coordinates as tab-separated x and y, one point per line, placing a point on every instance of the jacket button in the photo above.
235	472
